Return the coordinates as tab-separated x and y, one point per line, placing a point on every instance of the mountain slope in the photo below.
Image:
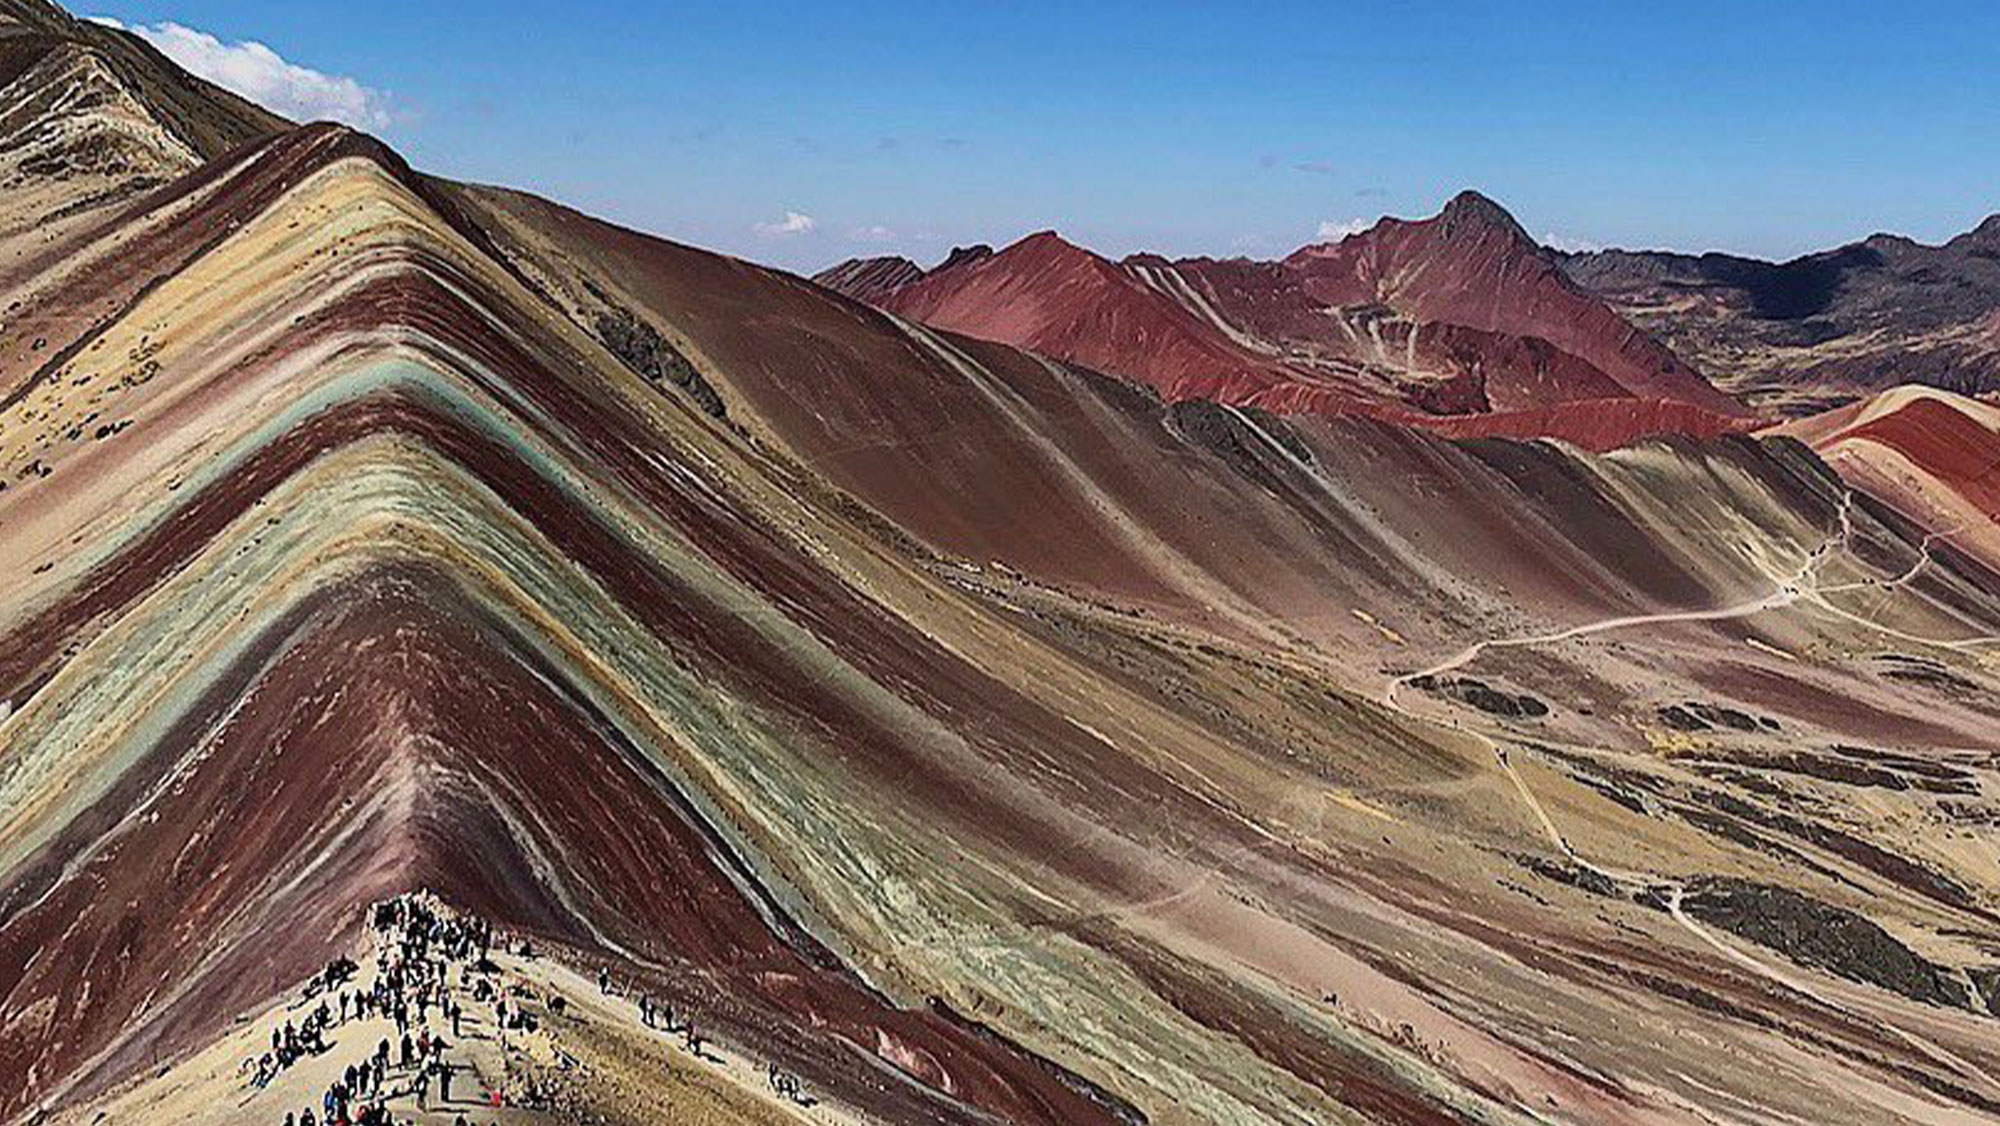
90	116
410	446
1932	454
973	736
93	121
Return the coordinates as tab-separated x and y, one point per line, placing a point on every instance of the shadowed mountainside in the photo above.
1824	329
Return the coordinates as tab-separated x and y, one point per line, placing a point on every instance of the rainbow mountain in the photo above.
971	735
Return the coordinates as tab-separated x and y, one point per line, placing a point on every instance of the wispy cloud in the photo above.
1333	230
1570	245
872	234
794	224
256	72
1309	166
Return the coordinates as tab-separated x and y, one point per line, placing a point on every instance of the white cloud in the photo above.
1333	231
872	234
793	224
1569	245
262	75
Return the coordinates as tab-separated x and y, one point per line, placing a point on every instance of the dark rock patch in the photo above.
1613	792
1822	936
1568	873
1681	719
1846	771
1893	867
1931	674
1483	696
1735	720
1987	980
1908	764
1695	716
1733	830
639	346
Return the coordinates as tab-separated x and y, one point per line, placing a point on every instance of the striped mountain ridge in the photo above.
1932	455
404	457
976	736
201	117
93	116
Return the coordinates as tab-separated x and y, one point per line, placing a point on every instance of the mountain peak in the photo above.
964	256
1987	231
35	13
1471	211
1046	238
1049	248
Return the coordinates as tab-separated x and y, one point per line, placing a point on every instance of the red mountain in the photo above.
867	279
1473	267
1932	455
1454	316
1064	301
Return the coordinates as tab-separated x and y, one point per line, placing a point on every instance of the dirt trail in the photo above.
1802	585
1790	589
1888	588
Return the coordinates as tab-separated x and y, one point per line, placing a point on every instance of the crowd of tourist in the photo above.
431	964
412	989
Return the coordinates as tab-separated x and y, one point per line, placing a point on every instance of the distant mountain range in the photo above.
1796	337
1463	317
1459	322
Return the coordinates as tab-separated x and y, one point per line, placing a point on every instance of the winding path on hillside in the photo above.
1804	585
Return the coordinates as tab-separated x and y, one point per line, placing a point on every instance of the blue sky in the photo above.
1768	128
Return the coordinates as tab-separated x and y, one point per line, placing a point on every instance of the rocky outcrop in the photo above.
641	348
1822	936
